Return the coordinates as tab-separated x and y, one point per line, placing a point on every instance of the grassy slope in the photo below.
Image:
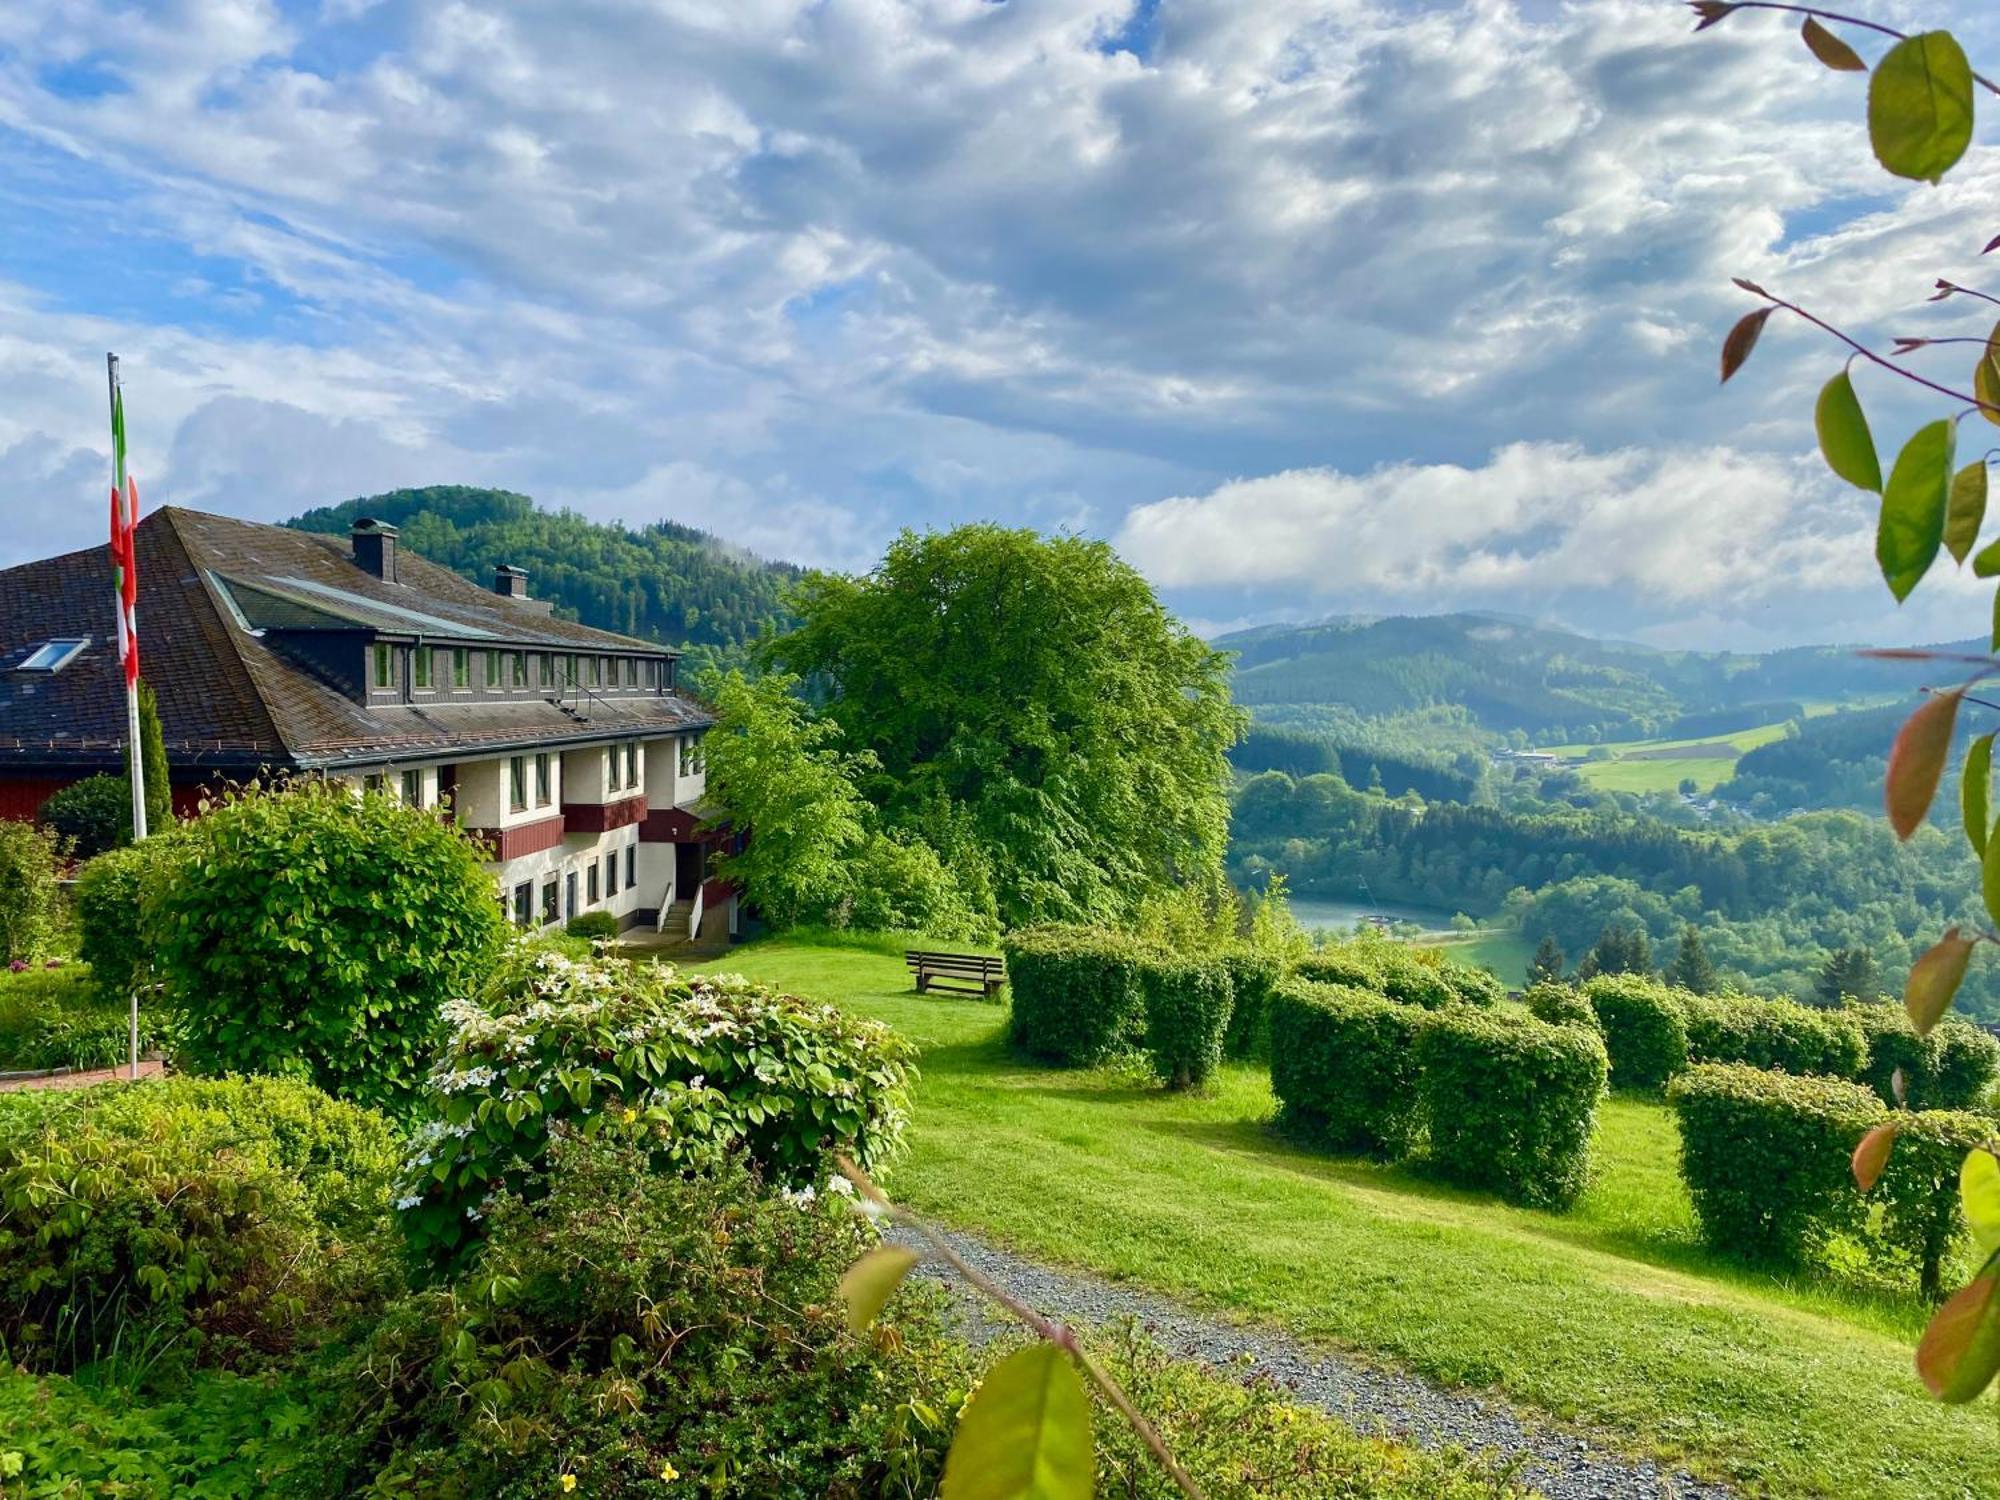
1663	775
1609	1315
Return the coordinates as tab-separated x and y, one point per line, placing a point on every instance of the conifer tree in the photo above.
1691	969
1548	962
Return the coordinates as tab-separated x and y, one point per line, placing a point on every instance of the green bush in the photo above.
1076	992
1187	1014
91	815
1950	1069
592	925
632	1324
1252	975
1559	1004
111	895
235	1212
56	1018
1510	1103
1772	1034
1344	1067
1921	1218
1471	985
30	920
315	933
705	1066
1644	1033
899	883
1383	965
1766	1157
1964	1060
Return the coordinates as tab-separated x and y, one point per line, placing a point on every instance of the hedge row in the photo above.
1653	1032
1508	1101
1083	994
1767	1158
1408	975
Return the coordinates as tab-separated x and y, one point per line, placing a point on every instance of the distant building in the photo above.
571	752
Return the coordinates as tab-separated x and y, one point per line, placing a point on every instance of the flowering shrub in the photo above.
703	1066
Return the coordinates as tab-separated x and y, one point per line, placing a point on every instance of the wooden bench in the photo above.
963	973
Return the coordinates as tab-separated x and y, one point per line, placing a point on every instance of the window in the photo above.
611	782
524	904
568	670
461	667
492	668
413	788
611	873
632	765
385	675
520	669
692	760
544	793
551	909
374	781
631	865
569	892
517	783
597	671
545	663
592	884
631	671
53	656
420	667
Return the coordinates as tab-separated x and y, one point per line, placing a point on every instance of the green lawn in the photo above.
1651	766
1610	1315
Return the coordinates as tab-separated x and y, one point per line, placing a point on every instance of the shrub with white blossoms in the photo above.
696	1065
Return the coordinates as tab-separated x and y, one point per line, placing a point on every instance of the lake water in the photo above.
1340	916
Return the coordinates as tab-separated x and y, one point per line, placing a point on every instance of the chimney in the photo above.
510	581
375	548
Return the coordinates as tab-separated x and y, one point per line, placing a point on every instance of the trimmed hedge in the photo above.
1510	1102
1950	1069
1187	1014
1772	1034
1344	1066
1077	996
1252	976
1560	1004
1471	985
592	924
1392	969
1766	1157
1921	1217
111	893
1644	1033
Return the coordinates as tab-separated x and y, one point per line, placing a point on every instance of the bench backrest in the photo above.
969	963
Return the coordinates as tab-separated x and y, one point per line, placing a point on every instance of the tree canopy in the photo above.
1032	693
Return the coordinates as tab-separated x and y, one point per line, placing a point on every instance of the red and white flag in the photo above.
124	545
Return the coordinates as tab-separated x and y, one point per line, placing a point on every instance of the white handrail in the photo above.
666	905
694	917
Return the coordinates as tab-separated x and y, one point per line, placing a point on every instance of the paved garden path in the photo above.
83	1080
1369	1398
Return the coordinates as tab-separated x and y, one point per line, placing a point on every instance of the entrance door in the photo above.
447	791
687	871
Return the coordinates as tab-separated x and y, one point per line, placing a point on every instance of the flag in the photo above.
124	545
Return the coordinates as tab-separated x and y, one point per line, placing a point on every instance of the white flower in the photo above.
408	1202
840	1185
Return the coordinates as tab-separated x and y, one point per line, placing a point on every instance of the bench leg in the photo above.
922	982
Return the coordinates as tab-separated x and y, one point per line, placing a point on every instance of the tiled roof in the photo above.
208	587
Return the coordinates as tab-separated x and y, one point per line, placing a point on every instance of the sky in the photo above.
1310	307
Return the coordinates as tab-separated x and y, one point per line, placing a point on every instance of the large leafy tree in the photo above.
1034	690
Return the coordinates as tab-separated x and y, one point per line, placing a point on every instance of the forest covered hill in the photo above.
661	581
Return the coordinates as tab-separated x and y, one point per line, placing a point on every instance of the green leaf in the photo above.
1844	437
1972	792
1872	1155
1986	378
1965	510
1742	339
1979	1196
1935	978
1025	1435
1986	561
1916	761
1913	507
1830	49
1960	1351
871	1281
1920	106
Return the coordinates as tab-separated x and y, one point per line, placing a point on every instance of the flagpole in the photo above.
135	759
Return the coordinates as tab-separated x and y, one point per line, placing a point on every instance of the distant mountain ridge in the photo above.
1513	674
663	581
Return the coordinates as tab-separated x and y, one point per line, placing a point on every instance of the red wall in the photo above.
22	797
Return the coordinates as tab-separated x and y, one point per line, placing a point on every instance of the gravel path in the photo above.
1559	1465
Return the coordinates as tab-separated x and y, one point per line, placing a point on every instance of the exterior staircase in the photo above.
674	920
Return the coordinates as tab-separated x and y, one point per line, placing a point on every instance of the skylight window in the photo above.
53	656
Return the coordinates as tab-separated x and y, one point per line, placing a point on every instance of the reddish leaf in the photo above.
1750	286
1710	11
1872	1155
1961	1349
1742	339
1935	978
1910	346
1916	761
1991	245
1944	290
1829	48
